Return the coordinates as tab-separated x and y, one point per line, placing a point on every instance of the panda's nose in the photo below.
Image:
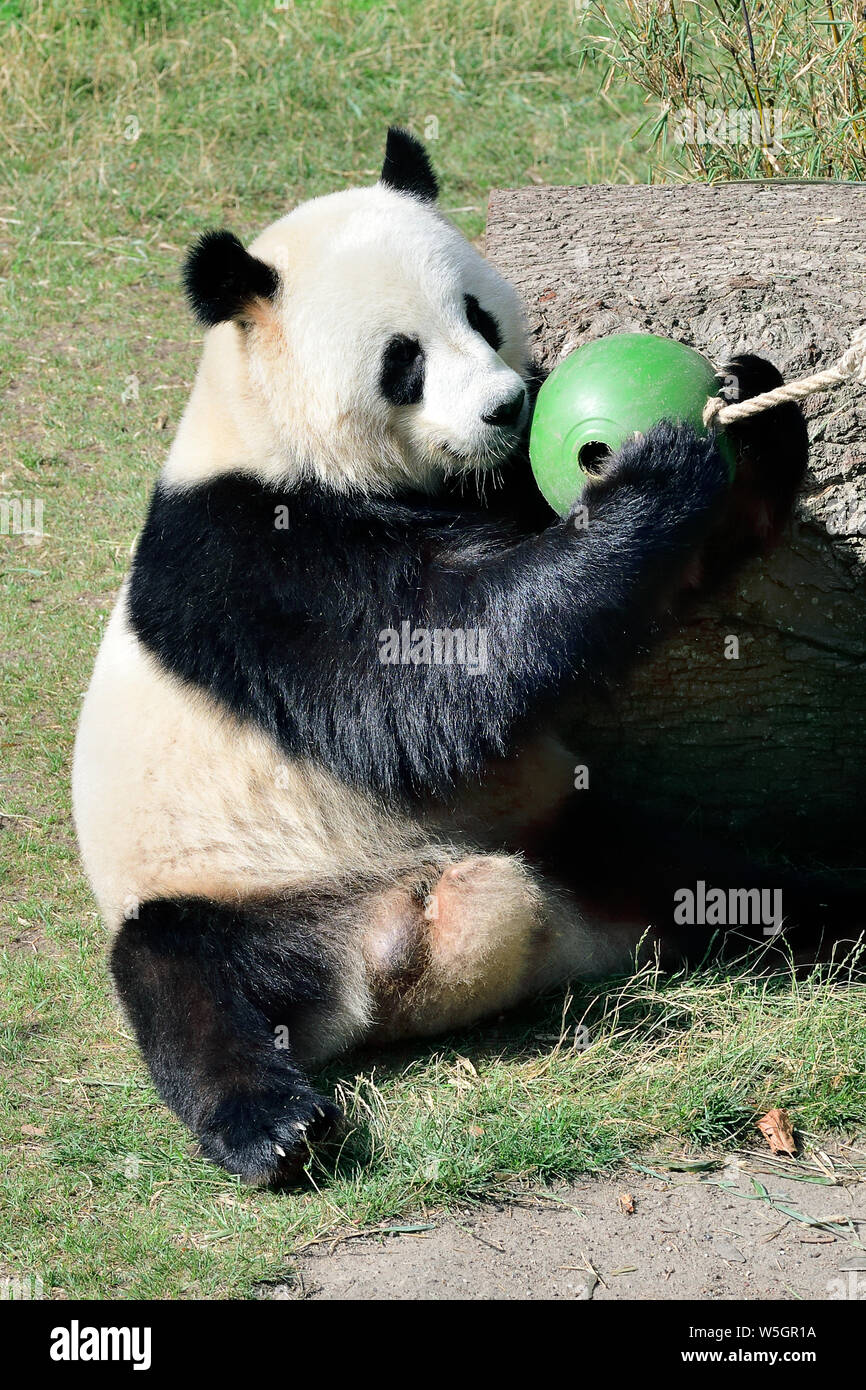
508	411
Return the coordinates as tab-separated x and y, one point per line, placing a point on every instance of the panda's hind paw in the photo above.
266	1138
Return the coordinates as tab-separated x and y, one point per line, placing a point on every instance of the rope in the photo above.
852	363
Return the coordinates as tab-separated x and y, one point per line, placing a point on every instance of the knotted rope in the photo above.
852	363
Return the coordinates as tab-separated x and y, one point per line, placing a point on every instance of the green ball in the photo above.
606	392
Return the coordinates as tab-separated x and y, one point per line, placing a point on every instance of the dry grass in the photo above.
789	76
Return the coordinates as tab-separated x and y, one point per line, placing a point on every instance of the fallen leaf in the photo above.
162	422
776	1129
626	1202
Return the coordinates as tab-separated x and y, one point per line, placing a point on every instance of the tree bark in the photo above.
766	748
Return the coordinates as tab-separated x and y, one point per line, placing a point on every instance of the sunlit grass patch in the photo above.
104	1194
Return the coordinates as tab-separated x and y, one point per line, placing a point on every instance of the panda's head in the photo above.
361	339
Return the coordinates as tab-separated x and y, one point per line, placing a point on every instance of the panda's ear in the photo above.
407	167
222	279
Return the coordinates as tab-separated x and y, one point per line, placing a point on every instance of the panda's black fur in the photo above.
296	649
205	986
267	599
221	277
406	167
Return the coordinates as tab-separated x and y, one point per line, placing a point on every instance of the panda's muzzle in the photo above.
508	411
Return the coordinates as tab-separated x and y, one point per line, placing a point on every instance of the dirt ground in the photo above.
687	1237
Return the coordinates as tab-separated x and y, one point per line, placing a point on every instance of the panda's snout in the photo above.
508	411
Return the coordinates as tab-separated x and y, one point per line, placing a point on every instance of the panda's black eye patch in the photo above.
481	322
401	376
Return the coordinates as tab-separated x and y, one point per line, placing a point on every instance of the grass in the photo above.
105	1198
240	110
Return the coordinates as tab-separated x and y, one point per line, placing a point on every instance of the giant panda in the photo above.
306	824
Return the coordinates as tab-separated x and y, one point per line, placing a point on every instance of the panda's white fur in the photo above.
175	796
236	856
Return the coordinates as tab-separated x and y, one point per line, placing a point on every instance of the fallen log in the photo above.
765	747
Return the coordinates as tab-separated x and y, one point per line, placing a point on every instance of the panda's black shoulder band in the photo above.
222	279
318	617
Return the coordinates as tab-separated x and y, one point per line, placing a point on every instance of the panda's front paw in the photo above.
772	452
667	487
660	497
265	1138
672	464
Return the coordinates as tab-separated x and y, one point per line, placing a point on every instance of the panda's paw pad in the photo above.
266	1138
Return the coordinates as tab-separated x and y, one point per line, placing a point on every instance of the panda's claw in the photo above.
266	1139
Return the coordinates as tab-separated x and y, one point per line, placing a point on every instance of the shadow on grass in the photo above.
708	1044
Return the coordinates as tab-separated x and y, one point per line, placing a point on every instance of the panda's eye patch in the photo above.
481	322
401	377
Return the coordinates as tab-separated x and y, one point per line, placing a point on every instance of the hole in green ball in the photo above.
592	455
